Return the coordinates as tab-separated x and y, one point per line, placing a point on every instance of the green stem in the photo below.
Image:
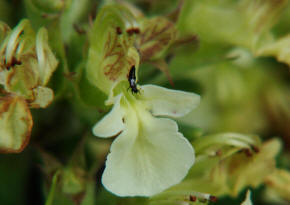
50	197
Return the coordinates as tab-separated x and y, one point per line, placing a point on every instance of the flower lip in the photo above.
149	156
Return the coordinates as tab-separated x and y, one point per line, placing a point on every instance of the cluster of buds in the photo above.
26	65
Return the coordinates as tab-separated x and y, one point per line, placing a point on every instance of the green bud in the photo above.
48	6
73	180
27	63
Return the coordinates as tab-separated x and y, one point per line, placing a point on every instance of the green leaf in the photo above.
15	124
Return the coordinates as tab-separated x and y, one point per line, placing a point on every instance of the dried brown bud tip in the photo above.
213	198
218	152
78	29
44	15
248	152
13	62
131	31
136	30
192	198
256	149
119	30
69	75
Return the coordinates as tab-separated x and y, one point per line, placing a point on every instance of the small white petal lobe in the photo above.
112	123
167	102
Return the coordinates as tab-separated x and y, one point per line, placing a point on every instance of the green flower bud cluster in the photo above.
26	65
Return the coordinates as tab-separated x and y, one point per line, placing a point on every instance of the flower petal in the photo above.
174	103
146	160
112	123
47	62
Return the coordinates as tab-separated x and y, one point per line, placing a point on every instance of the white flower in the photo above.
149	155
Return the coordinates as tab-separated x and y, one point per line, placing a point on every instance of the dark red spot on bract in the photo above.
219	152
131	31
192	198
256	149
248	153
118	30
13	62
213	198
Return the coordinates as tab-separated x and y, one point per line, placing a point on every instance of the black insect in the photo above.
132	80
